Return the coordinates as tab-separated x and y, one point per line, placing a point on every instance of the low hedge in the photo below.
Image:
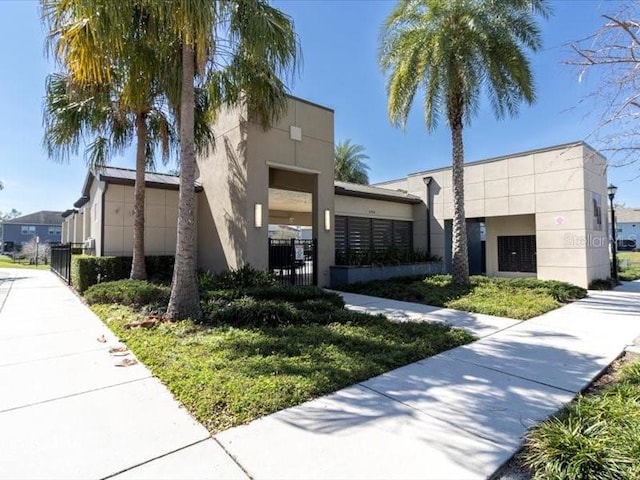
251	312
87	270
244	277
134	293
277	292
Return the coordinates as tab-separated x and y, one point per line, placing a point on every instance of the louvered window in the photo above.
358	234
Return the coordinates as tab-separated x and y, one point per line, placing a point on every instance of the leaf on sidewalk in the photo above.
126	362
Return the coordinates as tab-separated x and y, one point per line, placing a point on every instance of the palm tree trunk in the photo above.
184	301
138	270
459	255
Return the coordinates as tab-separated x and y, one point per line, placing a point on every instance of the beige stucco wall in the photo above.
555	184
365	207
501	226
161	213
67	227
236	177
77	228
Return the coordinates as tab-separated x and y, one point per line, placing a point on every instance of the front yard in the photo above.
261	348
520	299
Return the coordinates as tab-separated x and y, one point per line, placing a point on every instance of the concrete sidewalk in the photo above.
66	410
458	415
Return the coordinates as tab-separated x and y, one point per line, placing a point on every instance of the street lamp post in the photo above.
611	190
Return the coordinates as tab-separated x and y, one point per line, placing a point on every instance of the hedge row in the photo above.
88	270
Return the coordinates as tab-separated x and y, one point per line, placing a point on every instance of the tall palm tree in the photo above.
110	92
237	49
350	163
454	51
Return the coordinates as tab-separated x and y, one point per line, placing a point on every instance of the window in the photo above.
28	229
359	234
55	230
517	253
597	211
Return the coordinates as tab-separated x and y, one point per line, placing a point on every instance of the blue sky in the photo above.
339	42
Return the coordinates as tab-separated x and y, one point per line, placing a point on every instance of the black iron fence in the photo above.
61	257
293	261
61	261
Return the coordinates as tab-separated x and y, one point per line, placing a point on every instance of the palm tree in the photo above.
455	50
350	163
107	95
238	49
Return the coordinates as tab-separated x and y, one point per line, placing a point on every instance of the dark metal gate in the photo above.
61	261
294	262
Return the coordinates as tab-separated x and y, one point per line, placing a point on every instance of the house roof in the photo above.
376	193
43	217
127	176
627	215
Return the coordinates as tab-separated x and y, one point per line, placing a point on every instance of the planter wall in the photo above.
344	274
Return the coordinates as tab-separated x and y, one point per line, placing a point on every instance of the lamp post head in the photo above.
611	190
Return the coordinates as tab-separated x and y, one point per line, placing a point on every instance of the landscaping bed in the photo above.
629	266
596	436
518	298
261	347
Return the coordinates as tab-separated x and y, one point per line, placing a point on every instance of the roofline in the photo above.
313	104
129	182
99	174
81	201
377	196
499	158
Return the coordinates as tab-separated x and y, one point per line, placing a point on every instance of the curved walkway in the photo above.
458	415
66	410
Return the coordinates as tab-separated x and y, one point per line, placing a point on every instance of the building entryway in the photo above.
476	245
293	245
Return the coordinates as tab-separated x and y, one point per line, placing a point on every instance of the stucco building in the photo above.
536	213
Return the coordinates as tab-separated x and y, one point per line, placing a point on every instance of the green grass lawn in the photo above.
227	375
520	299
629	265
8	262
596	436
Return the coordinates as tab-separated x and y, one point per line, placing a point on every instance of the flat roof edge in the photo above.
377	196
308	102
504	157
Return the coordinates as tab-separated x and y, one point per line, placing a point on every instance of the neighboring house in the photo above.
536	213
627	227
46	225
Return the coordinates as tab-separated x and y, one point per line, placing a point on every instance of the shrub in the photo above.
88	270
384	257
127	292
602	284
244	277
249	312
294	294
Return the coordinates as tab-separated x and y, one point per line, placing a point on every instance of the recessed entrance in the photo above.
292	239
